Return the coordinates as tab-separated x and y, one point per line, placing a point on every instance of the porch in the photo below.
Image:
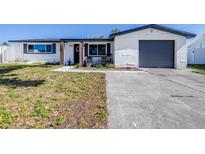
86	53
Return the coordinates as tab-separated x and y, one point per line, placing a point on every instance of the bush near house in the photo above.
33	96
77	65
110	66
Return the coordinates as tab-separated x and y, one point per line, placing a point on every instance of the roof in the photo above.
158	27
87	40
36	40
64	40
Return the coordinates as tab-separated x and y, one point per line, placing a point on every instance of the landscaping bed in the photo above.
33	96
109	67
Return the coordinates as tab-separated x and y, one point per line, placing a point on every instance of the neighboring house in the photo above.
196	51
147	46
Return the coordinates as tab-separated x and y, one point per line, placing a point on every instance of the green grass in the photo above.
58	121
33	96
199	72
40	110
6	118
201	69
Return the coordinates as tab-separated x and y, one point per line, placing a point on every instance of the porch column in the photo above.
62	46
81	53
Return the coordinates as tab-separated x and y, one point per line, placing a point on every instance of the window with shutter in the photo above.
108	49
24	48
86	49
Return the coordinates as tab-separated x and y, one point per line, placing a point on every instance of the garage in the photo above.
156	53
152	46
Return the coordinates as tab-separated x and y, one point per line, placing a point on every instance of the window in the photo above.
48	48
97	49
102	49
93	50
40	48
31	48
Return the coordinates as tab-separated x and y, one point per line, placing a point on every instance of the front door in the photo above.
76	53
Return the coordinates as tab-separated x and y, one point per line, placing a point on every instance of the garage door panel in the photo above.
156	53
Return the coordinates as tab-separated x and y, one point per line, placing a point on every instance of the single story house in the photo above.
148	46
196	51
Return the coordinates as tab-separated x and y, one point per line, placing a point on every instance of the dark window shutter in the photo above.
108	49
86	49
24	48
54	48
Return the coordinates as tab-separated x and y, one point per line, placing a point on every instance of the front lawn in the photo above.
201	68
33	96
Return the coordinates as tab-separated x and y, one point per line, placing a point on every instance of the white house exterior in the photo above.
18	54
196	51
147	46
127	47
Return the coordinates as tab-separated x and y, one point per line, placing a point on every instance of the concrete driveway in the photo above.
156	98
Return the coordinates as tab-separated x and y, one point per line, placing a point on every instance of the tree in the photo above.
115	30
99	37
4	44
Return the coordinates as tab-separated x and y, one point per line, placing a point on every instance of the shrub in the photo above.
99	66
77	65
110	66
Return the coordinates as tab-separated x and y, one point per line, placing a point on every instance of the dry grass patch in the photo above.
33	96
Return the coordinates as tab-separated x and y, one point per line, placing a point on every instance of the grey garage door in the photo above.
156	53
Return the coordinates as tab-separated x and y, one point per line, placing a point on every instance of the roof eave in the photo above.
87	40
36	41
63	40
158	27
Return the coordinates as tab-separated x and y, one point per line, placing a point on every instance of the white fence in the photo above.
3	54
196	56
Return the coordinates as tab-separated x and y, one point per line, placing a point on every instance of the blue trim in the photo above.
36	40
64	40
86	40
